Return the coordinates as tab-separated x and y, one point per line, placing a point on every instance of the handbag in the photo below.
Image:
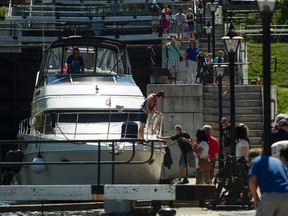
205	164
180	56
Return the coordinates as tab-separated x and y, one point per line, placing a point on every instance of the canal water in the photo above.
97	212
90	212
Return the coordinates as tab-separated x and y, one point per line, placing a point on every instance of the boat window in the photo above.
125	80
79	79
101	117
106	60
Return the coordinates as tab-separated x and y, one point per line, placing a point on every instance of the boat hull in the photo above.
129	173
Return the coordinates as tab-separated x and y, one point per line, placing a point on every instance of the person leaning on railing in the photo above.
148	106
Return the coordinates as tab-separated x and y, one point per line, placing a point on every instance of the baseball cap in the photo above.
280	117
283	123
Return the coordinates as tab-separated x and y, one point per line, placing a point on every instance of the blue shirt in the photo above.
75	63
192	53
271	174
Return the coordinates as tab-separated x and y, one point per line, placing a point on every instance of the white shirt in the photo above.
240	144
275	148
205	152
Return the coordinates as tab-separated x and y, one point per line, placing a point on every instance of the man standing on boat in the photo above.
148	106
75	62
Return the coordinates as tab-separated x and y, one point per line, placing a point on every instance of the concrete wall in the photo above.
183	104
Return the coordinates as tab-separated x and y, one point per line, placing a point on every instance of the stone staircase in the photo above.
248	109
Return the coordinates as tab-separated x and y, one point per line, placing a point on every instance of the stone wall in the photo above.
183	104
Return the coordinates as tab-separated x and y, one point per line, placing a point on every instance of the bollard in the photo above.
167	212
258	81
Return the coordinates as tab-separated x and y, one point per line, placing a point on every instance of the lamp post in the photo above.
220	71
208	29
232	42
266	9
213	8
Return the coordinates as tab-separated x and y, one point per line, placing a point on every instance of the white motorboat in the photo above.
83	126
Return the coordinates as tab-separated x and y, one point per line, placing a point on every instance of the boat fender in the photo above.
167	158
9	158
18	157
7	178
38	168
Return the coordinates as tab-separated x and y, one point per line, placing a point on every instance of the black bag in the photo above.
168	158
181	58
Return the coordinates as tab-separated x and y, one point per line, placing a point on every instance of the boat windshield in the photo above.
103	61
88	79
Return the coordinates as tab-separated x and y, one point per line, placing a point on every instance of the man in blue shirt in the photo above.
270	175
75	62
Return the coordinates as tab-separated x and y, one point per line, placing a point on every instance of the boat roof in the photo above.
113	44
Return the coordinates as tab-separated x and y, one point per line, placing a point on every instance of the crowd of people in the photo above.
199	65
268	173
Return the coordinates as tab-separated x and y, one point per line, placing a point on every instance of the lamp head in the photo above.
231	40
231	31
220	69
212	6
266	5
208	28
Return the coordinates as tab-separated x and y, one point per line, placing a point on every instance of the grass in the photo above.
279	78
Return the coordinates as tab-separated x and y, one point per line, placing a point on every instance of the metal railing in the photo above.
151	145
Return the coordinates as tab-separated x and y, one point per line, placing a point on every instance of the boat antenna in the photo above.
42	26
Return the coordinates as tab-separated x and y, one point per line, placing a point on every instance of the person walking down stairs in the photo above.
191	57
173	55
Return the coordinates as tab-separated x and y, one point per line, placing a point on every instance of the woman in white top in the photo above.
242	141
202	151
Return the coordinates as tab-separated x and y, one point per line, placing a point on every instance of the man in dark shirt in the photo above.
226	135
281	133
187	156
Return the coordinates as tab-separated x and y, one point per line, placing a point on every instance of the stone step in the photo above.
238	89
238	111
238	96
238	103
250	125
239	118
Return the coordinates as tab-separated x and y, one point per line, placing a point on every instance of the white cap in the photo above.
277	146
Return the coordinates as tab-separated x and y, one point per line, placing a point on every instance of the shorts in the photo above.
155	20
191	27
190	159
226	72
142	117
173	66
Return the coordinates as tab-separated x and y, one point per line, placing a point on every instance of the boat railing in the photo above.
13	165
116	124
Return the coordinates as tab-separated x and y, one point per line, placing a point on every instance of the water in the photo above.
90	212
96	212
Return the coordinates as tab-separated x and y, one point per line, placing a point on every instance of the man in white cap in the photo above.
277	146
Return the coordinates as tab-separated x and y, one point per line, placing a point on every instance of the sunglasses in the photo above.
76	53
